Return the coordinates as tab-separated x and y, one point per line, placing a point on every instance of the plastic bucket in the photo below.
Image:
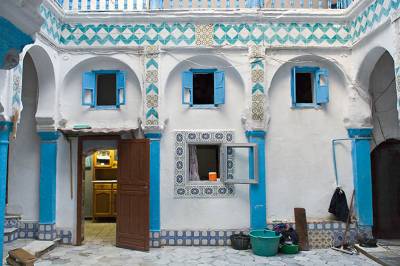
240	241
264	242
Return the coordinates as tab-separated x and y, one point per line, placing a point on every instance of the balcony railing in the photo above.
133	5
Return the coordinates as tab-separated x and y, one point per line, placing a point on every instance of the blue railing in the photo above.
131	5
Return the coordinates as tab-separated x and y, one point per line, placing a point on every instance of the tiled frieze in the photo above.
218	34
184	188
373	16
152	55
51	26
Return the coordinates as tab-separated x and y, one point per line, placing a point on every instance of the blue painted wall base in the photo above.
5	128
361	160
154	181
258	206
48	172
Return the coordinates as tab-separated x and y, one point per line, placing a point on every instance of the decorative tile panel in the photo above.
257	57
152	54
201	189
204	34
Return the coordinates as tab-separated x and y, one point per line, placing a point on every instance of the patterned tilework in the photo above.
189	34
47	232
201	189
256	56
152	55
51	25
65	235
372	17
11	222
321	235
10	235
28	230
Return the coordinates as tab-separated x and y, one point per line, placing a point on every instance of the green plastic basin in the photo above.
264	242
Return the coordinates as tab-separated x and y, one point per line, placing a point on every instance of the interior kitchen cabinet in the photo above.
105	178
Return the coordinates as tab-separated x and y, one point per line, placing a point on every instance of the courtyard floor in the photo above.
93	253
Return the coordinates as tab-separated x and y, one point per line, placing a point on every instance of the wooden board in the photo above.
133	194
301	228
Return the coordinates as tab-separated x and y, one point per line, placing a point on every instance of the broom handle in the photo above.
349	217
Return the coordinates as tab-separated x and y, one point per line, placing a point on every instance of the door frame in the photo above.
79	193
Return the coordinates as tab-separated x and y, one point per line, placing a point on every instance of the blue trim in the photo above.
359	132
202	70
11	38
362	178
118	88
313	71
48	173
155	223
5	129
204	106
258	205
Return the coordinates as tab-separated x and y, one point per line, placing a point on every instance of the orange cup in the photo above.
212	176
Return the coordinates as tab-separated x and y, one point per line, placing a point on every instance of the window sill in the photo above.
104	108
207	183
205	106
306	106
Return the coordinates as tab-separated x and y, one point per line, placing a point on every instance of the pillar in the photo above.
154	180
5	128
48	173
258	207
361	159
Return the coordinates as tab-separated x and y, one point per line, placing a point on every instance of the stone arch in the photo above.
70	107
46	107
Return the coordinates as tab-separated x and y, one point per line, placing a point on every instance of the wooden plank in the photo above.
301	228
21	256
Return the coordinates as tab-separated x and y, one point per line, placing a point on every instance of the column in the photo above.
362	179
258	207
47	197
154	188
5	128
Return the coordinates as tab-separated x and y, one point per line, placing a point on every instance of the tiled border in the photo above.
321	235
186	189
32	230
152	56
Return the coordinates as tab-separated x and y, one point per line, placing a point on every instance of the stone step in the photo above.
39	247
10	234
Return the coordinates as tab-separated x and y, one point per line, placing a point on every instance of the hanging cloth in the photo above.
193	164
338	205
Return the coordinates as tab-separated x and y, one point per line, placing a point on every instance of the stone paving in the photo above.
107	255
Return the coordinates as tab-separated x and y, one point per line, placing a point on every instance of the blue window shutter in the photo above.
293	86
219	87
88	88
322	88
187	87
121	88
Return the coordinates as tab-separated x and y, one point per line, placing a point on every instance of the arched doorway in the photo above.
386	189
24	151
385	155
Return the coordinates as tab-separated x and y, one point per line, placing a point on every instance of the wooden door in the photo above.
133	194
385	160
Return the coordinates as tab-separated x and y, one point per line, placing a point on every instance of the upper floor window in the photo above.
203	87
103	89
309	86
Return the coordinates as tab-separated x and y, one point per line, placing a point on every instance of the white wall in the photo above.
65	205
384	100
71	109
24	157
299	150
201	213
